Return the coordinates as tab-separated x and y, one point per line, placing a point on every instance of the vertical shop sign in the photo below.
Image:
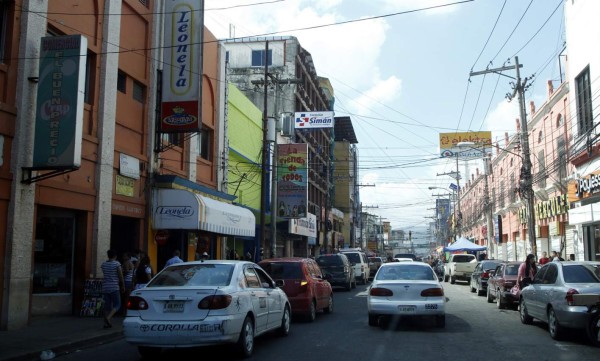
292	184
59	109
181	78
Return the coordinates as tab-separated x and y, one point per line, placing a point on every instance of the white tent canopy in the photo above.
464	244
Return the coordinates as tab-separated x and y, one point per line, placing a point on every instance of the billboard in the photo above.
292	180
310	120
59	108
442	213
182	59
482	144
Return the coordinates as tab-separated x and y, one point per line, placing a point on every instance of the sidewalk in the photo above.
61	334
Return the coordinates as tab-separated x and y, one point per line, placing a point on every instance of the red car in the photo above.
500	285
304	284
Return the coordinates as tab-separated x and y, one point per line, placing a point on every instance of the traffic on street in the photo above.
474	330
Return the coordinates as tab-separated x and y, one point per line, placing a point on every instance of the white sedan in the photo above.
406	289
206	303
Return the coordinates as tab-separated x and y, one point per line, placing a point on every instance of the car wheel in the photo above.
329	308
480	292
149	352
445	278
349	285
499	301
452	280
440	321
555	329
374	320
284	329
525	318
489	295
593	329
245	342
312	312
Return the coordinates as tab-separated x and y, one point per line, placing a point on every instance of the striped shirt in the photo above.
111	276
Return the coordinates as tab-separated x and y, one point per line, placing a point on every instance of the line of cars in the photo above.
552	297
214	302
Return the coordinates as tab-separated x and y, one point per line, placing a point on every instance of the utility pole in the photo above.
526	185
488	209
264	180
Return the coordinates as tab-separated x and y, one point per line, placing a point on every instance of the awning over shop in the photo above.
181	209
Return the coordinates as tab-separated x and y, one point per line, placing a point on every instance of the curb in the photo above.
69	347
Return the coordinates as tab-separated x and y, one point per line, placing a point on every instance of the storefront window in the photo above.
596	246
53	259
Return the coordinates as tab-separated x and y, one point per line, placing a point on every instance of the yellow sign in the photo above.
124	186
482	142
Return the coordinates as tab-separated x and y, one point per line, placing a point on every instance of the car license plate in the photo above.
407	309
173	307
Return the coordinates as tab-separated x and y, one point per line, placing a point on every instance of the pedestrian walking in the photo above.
128	268
143	273
112	286
175	259
527	271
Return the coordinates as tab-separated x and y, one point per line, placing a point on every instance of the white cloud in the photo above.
503	119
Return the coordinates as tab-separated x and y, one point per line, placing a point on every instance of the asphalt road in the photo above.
475	330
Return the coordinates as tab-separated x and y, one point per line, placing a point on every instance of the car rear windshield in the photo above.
462	259
194	275
512	269
406	255
330	261
353	257
283	270
489	265
406	272
581	274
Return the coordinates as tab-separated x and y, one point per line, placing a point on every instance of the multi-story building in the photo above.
549	132
345	176
584	150
292	86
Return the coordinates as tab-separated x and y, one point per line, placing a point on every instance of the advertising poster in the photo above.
292	180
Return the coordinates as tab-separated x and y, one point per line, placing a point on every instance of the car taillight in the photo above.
136	303
215	302
381	292
569	296
432	292
485	275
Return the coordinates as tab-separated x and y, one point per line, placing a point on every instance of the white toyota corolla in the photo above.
206	303
406	289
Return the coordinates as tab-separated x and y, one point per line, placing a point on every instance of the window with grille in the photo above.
541	176
562	158
513	186
583	96
204	143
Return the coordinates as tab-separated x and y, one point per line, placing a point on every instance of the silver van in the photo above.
360	261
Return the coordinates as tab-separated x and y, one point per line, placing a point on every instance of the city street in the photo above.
475	330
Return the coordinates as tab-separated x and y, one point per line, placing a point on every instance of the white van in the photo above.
361	264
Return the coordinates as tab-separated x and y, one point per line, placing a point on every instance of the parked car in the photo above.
406	289
459	267
501	283
374	264
549	298
304	284
406	255
360	263
480	276
206	303
337	270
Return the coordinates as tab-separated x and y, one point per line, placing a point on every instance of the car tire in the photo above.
440	321
373	320
245	343
472	289
554	327
312	312
149	353
286	320
593	329
500	301
490	299
479	291
329	308
446	278
525	318
452	280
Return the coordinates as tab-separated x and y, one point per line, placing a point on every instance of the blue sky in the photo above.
403	77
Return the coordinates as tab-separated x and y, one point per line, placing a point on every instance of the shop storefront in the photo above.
584	217
195	223
303	233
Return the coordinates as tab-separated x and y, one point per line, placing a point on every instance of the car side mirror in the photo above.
279	283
